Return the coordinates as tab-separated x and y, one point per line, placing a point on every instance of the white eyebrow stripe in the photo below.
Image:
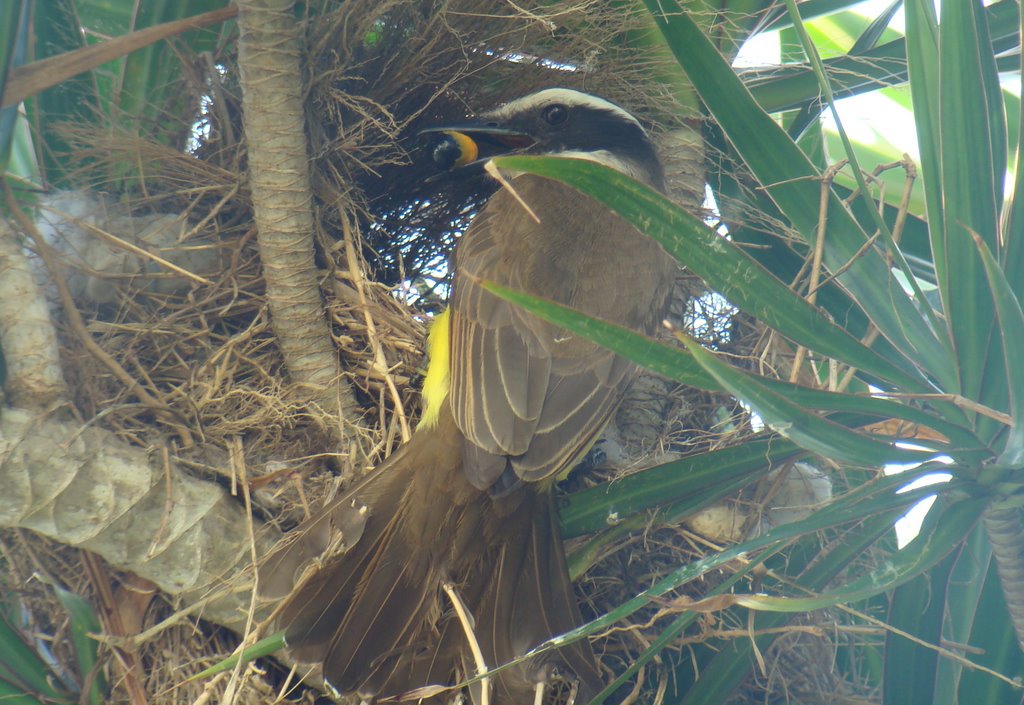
565	96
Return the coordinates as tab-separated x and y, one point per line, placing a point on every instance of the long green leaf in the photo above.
84	623
727	669
996	641
21	667
263	647
1013	218
13	41
149	79
703	496
675	628
10	695
923	68
724	266
1011	325
135	92
970	185
873	34
681	366
917	608
74	101
597	507
793	183
751	217
863	190
879	498
963	608
778	18
817	434
794	86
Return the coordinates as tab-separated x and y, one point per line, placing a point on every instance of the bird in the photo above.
461	518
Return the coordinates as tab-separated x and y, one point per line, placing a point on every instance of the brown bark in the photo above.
85	488
27	338
268	54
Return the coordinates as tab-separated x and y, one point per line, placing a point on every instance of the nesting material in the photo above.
105	250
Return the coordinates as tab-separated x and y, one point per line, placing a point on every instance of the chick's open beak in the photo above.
458	146
454	149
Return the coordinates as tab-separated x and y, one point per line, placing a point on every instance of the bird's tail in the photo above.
371	583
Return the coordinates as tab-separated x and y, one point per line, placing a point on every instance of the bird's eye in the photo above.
555	114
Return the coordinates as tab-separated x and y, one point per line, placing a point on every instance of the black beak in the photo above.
468	146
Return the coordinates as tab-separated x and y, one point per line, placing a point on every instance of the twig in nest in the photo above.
474	645
115	241
380	362
237	456
74	316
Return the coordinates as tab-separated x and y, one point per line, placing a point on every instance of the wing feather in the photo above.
525	392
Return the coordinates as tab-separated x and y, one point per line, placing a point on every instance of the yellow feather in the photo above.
437	382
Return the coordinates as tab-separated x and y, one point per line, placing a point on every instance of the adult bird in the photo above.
463	512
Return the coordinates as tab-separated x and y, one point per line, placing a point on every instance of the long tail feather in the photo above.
373	612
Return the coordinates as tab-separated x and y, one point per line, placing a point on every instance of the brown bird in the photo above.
464	510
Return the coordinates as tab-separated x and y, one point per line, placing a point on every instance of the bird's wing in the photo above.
527	395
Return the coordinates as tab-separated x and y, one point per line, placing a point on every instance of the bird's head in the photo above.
554	121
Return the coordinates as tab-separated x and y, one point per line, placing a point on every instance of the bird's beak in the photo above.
460	147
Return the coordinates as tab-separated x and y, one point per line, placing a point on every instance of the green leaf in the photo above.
13	43
778	18
149	81
793	183
994	637
923	67
873	153
917	609
707	491
931	547
133	92
723	265
1011	324
11	695
873	34
1013	220
878	498
84	622
263	647
675	628
794	86
680	365
972	147
57	31
817	434
590	510
21	668
728	668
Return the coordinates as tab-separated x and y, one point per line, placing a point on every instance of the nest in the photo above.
203	352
